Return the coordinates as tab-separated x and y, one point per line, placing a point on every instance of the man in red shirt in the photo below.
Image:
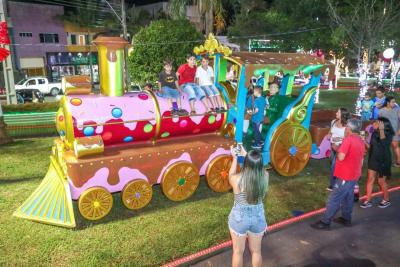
186	75
347	171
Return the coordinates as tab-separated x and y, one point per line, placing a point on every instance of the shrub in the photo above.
31	107
162	39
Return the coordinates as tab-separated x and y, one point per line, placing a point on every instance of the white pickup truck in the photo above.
40	83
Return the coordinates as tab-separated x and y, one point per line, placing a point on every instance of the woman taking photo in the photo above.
247	218
336	135
379	160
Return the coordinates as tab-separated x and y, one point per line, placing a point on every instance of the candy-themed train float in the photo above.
126	142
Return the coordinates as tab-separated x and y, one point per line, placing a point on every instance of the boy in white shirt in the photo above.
205	78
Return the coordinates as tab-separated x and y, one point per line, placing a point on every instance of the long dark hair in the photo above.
344	116
388	128
254	179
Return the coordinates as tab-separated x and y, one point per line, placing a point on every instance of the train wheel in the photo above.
290	149
95	203
137	194
218	173
180	180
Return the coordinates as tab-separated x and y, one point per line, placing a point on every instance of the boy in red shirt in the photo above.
186	75
347	171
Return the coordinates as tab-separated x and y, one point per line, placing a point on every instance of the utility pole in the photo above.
125	32
122	20
7	64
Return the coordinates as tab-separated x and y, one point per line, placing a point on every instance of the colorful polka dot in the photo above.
76	101
61	118
183	123
166	134
116	112
234	120
88	131
128	139
62	133
143	96
148	128
211	119
197	130
106	136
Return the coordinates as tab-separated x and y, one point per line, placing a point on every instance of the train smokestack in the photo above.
111	64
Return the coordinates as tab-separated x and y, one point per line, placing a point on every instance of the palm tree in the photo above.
210	11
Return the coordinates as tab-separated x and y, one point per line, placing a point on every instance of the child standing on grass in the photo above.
169	89
366	107
257	115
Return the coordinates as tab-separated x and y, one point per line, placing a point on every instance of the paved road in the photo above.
373	240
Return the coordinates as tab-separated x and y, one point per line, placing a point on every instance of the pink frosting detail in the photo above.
99	108
218	152
100	179
184	157
99	129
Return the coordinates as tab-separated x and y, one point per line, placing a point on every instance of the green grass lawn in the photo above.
162	231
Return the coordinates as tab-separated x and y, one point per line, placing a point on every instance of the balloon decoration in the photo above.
211	47
388	53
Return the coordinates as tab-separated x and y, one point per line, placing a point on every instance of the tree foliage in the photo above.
162	39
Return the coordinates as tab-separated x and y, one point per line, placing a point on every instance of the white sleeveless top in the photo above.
336	133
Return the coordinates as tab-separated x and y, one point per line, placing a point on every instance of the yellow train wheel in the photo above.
95	203
290	148
180	180
217	174
137	194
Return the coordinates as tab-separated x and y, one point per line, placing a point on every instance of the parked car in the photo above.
40	83
29	95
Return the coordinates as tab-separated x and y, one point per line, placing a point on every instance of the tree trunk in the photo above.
209	21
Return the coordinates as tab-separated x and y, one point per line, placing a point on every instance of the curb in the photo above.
217	248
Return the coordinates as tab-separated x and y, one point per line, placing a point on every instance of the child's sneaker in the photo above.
366	204
183	112
384	204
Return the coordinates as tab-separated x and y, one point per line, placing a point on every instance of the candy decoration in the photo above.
183	123
211	119
128	139
106	136
166	134
88	131
76	101
116	112
143	96
148	128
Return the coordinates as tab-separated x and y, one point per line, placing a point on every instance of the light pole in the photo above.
122	20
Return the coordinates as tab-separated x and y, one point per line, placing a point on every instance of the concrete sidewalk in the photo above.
373	240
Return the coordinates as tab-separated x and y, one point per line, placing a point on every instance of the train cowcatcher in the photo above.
126	142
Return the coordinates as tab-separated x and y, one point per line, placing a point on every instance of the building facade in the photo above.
35	31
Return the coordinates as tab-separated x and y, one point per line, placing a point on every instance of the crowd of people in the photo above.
349	145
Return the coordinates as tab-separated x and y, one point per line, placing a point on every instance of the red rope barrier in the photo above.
273	227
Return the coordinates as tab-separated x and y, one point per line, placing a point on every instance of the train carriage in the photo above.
127	142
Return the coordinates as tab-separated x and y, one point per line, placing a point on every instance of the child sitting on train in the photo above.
205	78
272	110
169	89
186	75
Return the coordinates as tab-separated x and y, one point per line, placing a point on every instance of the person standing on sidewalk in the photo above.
247	217
347	171
379	161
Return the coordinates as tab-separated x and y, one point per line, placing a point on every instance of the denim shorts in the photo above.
247	219
210	90
193	91
168	92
